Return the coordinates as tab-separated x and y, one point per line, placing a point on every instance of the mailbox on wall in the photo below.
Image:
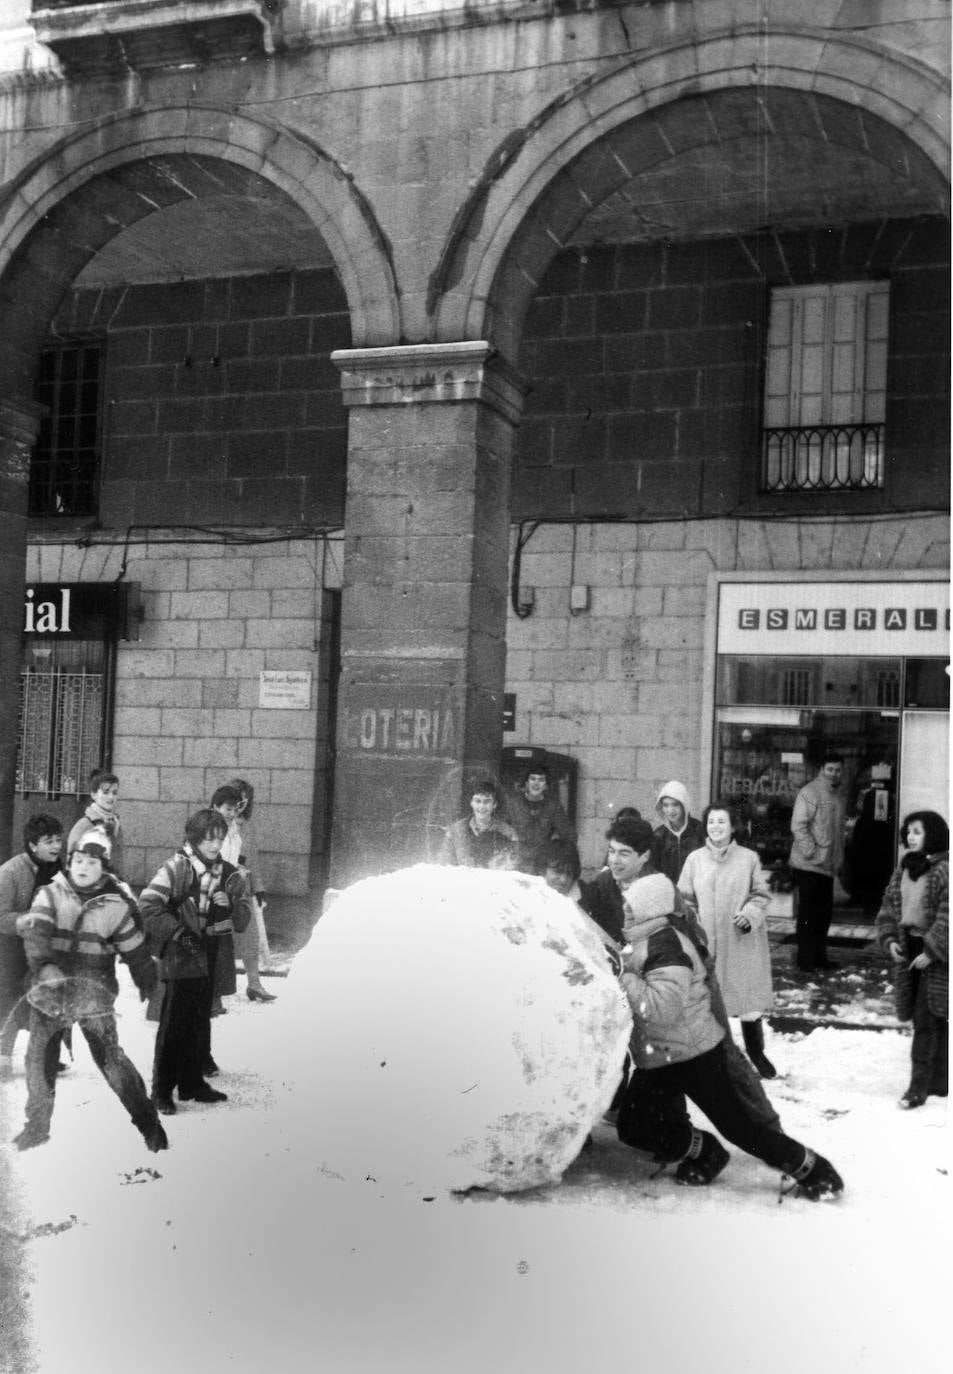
563	772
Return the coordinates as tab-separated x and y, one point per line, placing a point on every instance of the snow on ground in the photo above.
234	1251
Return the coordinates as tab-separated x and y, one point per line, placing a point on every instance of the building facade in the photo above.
384	385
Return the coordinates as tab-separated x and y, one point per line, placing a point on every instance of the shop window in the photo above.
64	472
825	388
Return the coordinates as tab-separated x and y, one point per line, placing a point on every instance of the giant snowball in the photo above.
463	1029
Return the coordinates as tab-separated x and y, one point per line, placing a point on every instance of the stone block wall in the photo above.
220	402
620	686
187	714
645	370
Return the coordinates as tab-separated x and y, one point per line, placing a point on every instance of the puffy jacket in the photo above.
665	980
936	938
82	930
817	824
170	907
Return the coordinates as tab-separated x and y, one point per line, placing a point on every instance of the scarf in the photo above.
45	872
915	864
107	819
209	876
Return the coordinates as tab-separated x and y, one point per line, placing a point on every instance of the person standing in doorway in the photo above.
537	817
817	824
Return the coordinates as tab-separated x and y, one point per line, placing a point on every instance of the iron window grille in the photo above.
64	472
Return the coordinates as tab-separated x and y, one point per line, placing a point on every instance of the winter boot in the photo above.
704	1162
31	1136
753	1035
817	1179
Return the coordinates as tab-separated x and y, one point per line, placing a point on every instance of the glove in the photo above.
146	978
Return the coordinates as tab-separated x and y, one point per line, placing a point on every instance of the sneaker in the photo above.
703	1168
817	1179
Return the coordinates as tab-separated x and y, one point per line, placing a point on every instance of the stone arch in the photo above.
543	182
66	205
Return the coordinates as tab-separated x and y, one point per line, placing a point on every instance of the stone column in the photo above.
424	594
19	422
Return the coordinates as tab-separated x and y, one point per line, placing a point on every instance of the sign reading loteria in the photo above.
856	619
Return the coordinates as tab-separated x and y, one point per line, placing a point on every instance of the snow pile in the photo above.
467	1031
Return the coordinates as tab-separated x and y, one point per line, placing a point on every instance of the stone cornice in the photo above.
430	374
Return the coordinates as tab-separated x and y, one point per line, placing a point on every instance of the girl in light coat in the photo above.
723	881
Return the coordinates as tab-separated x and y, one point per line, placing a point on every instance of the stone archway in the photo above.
59	212
544	182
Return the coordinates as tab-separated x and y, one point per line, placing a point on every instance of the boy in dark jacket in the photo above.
72	933
191	895
19	879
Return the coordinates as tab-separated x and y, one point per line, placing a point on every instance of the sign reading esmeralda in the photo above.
862	619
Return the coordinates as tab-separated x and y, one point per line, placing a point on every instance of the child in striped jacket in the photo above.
72	933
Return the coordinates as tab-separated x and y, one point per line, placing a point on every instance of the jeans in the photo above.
42	1058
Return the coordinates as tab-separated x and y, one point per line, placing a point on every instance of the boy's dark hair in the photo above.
830	756
540	769
204	824
100	775
563	856
484	787
637	834
936	832
627	813
244	789
38	827
226	796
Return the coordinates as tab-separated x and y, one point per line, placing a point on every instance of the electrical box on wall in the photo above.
579	597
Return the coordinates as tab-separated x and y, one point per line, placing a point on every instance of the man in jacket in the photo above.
817	824
72	933
679	1049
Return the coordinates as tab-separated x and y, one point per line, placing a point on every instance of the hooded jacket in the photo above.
665	980
670	848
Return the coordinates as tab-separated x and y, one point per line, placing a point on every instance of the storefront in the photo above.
857	666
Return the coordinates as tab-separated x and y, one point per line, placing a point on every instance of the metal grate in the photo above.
797	686
823	458
61	723
64	470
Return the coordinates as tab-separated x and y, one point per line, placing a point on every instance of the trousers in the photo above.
42	1058
652	1115
815	909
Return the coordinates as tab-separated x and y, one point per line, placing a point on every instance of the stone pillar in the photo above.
19	422
423	651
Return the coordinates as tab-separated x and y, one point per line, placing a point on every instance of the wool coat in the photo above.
723	883
936	937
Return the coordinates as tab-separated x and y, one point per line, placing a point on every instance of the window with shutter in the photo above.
825	388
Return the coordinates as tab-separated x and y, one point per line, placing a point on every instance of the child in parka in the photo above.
194	889
678	1045
72	933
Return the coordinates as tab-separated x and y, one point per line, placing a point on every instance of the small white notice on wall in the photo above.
285	689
